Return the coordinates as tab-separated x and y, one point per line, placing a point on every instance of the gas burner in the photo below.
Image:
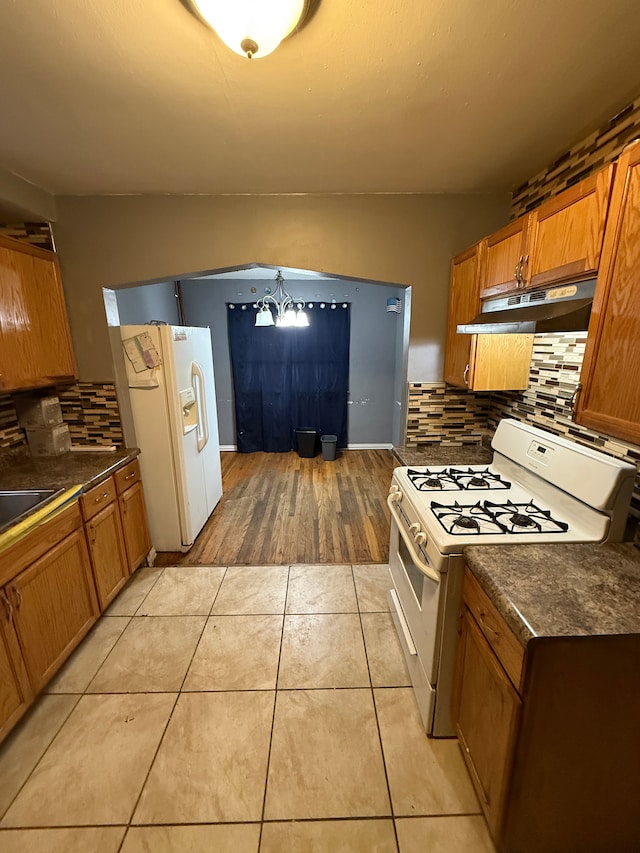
433	483
525	518
470	519
478	483
452	479
471	480
520	520
466	522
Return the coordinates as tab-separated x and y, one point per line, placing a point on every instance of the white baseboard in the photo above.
224	447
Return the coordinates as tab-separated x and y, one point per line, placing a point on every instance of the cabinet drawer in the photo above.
496	631
127	476
97	498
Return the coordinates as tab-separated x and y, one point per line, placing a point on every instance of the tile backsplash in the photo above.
601	147
89	408
442	415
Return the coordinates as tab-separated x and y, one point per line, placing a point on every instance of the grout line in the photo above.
46	749
375	711
164	731
273	716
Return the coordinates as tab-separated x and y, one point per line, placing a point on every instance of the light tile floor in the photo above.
240	709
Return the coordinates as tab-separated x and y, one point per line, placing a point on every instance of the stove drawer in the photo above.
500	637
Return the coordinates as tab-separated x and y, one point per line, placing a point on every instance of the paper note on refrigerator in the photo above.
141	352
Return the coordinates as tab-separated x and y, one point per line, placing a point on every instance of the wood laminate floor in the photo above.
278	508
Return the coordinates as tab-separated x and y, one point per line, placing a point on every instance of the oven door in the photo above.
419	588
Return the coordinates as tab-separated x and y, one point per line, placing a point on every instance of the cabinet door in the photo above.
15	692
35	345
107	552
500	362
134	525
609	401
54	605
486	709
566	232
464	304
504	258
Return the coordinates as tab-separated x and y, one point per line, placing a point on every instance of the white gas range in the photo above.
538	488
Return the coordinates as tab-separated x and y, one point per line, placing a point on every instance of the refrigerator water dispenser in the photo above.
189	407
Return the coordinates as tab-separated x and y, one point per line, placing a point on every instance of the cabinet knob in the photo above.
18	595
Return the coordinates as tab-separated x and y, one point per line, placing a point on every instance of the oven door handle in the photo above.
417	559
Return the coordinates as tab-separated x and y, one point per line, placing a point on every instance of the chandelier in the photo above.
252	28
289	311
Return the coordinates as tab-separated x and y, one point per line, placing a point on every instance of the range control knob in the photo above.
420	537
395	493
414	529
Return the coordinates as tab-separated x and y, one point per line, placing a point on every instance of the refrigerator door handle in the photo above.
197	380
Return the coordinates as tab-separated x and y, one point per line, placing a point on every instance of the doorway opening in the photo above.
380	317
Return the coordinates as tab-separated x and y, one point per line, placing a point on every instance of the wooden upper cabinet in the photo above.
464	304
503	258
566	232
35	344
609	400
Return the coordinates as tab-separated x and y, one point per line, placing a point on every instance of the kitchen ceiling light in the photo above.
285	306
252	28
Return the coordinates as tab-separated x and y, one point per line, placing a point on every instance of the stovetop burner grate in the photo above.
451	479
486	517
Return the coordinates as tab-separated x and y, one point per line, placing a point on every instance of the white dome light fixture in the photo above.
252	28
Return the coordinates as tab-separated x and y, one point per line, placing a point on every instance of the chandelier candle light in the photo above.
252	28
285	305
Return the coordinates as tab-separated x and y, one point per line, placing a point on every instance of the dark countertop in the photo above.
561	590
19	470
439	454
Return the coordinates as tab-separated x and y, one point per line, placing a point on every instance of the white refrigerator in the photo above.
173	400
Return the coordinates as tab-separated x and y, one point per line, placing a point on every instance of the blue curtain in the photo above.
289	378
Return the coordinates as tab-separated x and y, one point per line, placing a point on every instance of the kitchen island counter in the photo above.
561	590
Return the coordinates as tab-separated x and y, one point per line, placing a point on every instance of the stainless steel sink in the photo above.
16	505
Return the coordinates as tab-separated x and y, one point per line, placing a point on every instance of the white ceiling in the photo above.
378	96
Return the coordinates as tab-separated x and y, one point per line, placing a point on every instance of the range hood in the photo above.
562	309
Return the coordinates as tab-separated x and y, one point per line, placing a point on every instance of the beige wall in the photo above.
400	239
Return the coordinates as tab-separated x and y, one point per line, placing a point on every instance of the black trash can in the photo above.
329	447
306	440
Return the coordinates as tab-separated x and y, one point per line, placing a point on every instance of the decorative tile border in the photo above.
35	233
587	156
90	409
438	414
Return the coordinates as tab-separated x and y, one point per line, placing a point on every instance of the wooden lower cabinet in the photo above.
54	606
103	528
134	525
549	733
49	579
487	710
15	690
107	552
